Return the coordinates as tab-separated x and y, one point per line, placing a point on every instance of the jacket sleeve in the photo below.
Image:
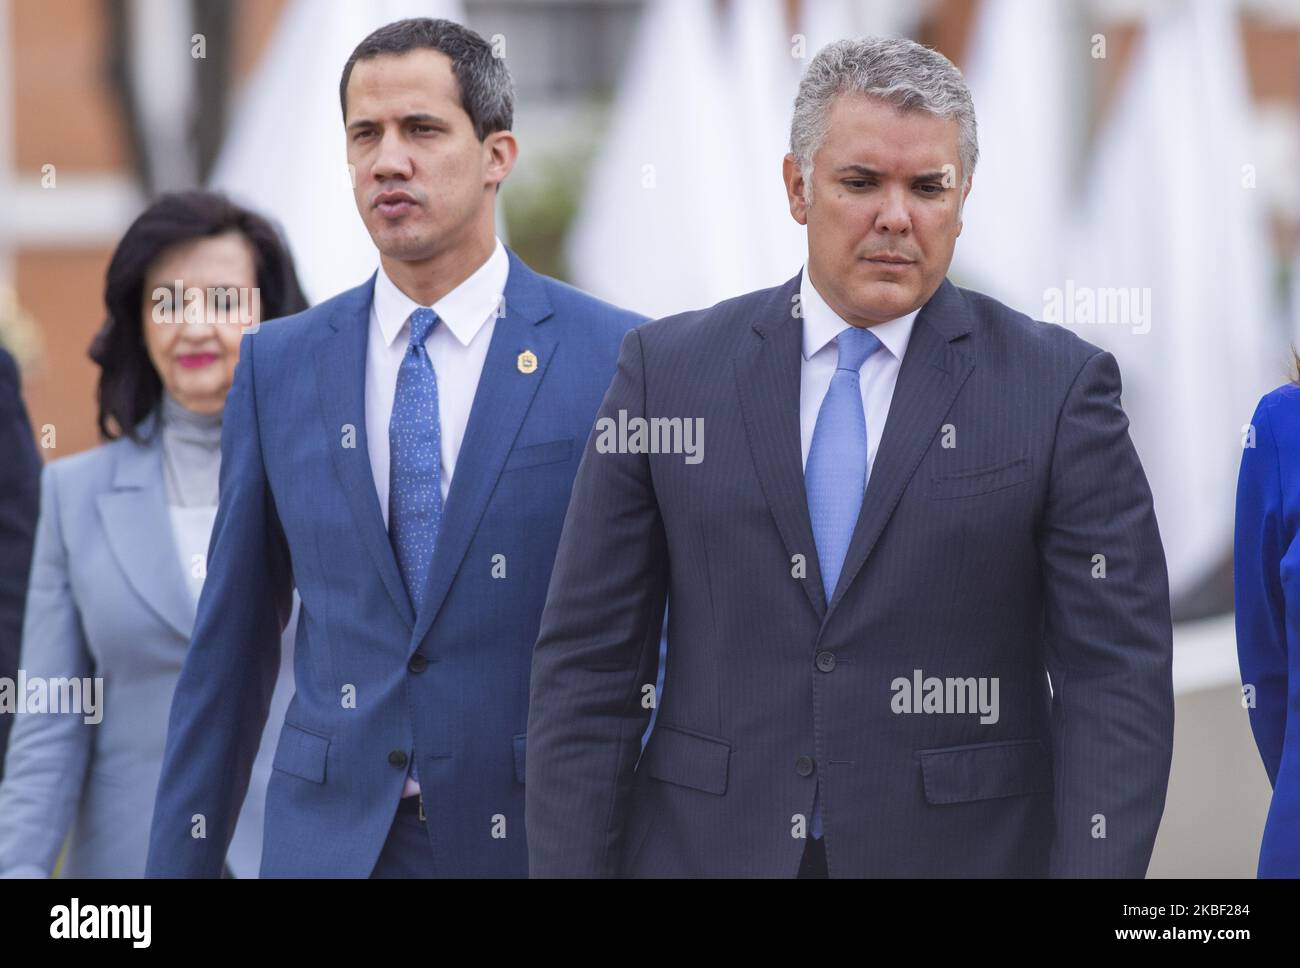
224	691
48	752
597	647
1108	637
20	473
1261	539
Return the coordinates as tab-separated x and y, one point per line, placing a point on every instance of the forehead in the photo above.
867	131
397	84
229	254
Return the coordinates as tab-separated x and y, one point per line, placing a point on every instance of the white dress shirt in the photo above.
457	347
879	374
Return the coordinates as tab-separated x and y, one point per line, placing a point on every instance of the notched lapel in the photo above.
931	375
139	531
341	385
768	373
505	392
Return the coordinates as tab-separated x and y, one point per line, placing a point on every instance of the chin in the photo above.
402	246
884	302
199	385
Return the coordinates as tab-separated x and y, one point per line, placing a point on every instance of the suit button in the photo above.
397	758
825	661
418	663
804	766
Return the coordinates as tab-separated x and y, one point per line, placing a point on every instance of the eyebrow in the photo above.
867	172
406	119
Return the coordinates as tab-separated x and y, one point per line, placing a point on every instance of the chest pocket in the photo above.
533	455
980	481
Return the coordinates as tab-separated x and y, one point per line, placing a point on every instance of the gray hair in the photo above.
906	74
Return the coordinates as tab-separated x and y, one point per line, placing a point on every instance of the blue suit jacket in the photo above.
1266	570
375	680
1005	466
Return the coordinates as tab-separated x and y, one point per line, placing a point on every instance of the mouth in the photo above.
195	361
890	263
394	204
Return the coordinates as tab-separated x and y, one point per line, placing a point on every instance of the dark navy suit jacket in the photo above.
1006	535
375	681
20	489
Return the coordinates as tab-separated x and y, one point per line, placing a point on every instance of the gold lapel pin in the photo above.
527	361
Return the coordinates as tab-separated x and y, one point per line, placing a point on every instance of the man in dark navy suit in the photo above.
920	616
20	477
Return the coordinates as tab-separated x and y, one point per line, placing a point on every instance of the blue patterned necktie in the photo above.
415	449
835	476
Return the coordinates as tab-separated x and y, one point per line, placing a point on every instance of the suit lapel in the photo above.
138	527
501	402
929	379
341	383
768	373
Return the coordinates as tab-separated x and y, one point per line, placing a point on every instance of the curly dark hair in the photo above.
129	387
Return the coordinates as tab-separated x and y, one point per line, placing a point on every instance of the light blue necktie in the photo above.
835	476
415	449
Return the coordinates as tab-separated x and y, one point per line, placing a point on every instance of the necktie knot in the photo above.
856	344
422	321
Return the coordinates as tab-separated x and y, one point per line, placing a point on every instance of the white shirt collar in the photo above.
463	311
821	324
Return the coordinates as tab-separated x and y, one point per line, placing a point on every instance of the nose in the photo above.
200	329
893	217
392	160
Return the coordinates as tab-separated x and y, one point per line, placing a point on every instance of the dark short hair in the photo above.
487	92
129	387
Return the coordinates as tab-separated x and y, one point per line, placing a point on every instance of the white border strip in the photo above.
81	209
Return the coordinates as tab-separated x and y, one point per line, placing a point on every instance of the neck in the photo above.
200	416
428	280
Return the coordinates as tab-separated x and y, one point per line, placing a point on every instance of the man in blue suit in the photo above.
402	454
920	618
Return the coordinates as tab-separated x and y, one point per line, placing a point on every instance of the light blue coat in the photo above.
108	598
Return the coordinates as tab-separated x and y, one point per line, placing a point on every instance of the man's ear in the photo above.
796	189
501	150
964	192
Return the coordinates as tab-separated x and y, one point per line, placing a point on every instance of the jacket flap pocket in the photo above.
982	481
301	753
985	771
551	452
521	749
687	759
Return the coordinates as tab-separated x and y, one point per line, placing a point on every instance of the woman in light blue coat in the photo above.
121	546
